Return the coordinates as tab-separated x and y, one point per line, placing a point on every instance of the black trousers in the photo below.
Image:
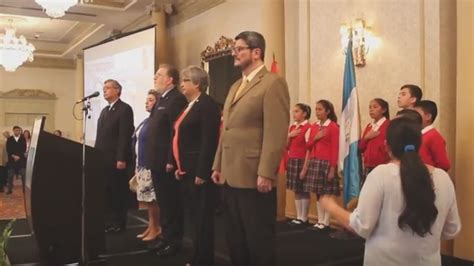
199	205
116	197
251	226
171	207
3	176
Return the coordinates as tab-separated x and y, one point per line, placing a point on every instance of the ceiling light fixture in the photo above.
58	8
14	51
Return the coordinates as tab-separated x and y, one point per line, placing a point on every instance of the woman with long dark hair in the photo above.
405	207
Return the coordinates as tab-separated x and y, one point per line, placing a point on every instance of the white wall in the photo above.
58	81
192	36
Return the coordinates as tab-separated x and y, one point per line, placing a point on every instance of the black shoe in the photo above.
160	244
114	229
168	250
2	189
9	192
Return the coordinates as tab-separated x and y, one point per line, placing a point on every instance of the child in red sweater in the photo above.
372	143
296	153
323	144
433	146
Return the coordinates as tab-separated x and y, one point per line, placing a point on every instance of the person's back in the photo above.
387	244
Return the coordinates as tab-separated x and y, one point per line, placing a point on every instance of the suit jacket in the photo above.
3	151
158	152
198	137
114	132
16	148
255	131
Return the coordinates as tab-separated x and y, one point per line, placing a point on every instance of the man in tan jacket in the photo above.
256	118
3	159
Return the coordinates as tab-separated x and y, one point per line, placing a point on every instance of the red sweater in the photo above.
373	150
327	148
433	149
297	145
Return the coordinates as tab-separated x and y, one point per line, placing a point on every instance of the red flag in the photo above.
274	68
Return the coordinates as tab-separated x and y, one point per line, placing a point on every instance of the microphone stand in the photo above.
85	109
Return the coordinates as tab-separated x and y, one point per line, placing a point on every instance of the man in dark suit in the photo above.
16	148
194	146
158	157
114	133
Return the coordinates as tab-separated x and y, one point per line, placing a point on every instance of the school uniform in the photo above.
374	150
296	152
433	148
323	155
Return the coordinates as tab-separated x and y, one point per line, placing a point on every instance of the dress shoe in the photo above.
160	244
167	251
9	192
2	189
114	229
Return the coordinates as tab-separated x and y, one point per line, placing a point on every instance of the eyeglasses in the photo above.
238	49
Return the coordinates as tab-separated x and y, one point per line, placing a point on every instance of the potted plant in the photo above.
3	243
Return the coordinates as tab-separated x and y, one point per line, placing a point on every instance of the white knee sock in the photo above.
298	208
327	218
304	209
320	212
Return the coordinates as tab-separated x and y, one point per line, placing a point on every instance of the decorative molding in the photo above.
186	9
221	48
28	94
47	62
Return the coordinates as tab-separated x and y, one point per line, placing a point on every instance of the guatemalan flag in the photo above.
349	156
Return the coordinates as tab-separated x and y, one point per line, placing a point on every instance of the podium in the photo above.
53	198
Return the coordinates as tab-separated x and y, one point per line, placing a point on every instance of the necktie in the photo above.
244	84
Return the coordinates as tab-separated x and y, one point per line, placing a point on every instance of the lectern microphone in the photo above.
95	94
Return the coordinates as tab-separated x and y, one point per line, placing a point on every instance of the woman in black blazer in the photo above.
194	145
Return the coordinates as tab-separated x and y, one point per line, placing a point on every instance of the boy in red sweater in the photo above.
433	145
409	96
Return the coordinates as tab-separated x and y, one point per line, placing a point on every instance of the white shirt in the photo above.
16	138
252	74
426	129
381	202
375	126
166	92
112	104
191	103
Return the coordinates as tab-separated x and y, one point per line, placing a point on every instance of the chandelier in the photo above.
14	51
58	8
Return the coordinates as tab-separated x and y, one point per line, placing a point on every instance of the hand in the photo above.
121	165
332	173
294	133
16	158
320	134
177	176
371	134
199	181
264	184
216	177
303	174
169	168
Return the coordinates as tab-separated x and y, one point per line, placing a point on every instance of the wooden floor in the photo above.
13	205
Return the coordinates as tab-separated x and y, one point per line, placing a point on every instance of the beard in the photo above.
244	63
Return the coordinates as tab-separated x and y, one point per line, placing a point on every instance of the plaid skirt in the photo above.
317	179
293	170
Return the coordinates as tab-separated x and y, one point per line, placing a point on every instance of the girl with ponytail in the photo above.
405	207
323	145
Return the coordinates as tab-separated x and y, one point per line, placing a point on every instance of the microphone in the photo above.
95	94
